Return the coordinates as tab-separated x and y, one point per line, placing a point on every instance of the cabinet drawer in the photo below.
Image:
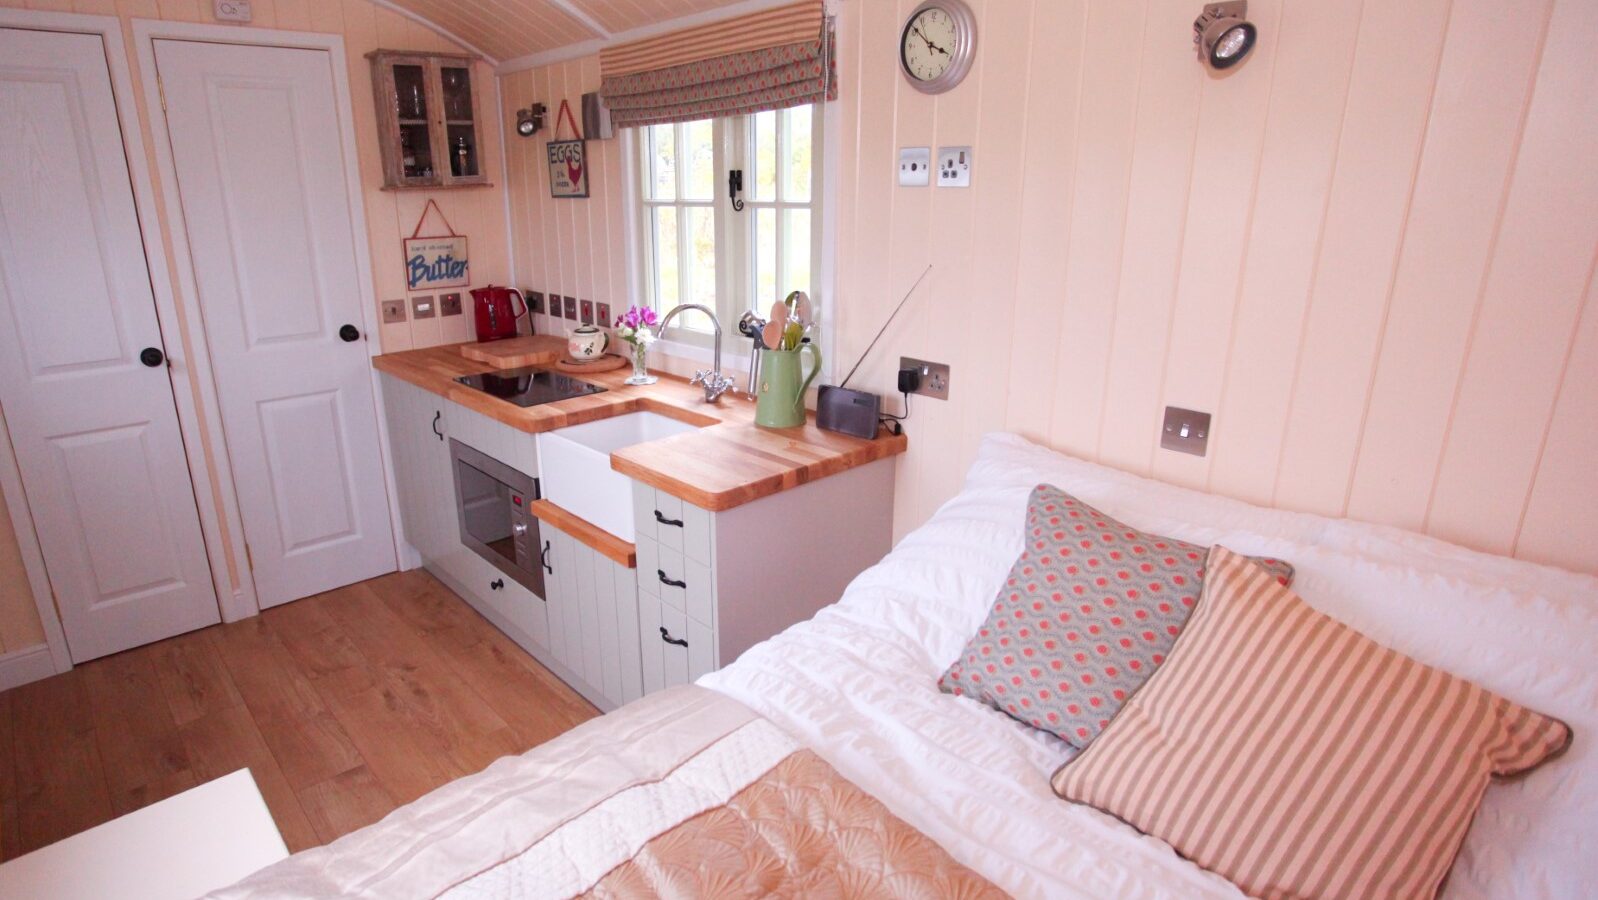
667	515
664	644
685	585
676	525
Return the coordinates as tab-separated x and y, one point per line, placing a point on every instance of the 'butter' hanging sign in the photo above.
435	262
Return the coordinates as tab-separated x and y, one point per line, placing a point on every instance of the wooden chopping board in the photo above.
513	353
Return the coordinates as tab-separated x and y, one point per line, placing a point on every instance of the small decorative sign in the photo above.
568	160
439	261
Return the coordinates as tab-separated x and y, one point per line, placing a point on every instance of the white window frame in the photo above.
736	268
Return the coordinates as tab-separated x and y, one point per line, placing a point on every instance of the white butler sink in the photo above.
575	473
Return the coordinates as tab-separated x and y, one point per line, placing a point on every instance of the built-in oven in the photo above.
492	501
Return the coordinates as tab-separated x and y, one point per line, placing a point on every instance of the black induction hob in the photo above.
529	386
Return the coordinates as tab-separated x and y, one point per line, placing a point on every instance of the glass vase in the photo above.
641	367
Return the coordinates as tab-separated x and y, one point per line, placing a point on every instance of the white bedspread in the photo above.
858	682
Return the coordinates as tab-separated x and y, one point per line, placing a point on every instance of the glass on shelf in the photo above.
462	151
457	84
410	92
416	152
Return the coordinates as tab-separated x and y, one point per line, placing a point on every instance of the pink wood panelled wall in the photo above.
478	213
572	247
1369	251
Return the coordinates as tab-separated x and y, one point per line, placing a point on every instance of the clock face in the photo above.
929	44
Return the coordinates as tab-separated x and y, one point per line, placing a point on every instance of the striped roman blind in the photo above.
1297	757
765	60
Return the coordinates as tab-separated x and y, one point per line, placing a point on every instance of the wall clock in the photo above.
937	45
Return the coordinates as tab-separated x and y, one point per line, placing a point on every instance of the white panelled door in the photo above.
257	143
95	431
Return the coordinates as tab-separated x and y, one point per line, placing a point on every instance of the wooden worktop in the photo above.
727	462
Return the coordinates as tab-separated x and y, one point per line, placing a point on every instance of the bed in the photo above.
853	693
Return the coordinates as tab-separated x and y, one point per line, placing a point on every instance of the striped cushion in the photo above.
1297	757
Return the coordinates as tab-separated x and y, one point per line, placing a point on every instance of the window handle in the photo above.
735	186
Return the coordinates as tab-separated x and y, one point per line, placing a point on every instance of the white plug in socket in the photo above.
954	166
915	166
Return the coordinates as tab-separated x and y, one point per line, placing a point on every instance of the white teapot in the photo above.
587	342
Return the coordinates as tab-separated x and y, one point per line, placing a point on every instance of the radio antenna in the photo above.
885	325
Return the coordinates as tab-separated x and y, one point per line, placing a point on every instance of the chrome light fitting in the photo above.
530	120
1222	35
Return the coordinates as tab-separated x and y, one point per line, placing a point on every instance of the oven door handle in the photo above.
543	559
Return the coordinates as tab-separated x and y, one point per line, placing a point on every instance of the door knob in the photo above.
152	356
349	333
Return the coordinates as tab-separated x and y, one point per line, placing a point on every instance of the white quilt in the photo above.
858	682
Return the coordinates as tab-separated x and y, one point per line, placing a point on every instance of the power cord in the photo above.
893	422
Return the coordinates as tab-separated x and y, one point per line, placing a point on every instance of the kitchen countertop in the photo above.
727	462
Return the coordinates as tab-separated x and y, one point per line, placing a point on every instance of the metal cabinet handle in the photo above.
438	414
665	580
666	636
543	559
665	521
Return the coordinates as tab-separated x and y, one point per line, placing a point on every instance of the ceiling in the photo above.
507	29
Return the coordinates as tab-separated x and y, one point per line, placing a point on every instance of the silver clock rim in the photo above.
965	24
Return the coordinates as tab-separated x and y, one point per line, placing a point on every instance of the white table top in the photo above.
202	839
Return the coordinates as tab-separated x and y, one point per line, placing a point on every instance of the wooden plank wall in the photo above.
1369	251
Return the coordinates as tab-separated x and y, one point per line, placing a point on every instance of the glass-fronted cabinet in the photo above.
426	119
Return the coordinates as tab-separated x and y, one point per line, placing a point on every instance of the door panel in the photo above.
95	432
255	138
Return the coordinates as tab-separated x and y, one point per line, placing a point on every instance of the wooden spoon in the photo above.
773	332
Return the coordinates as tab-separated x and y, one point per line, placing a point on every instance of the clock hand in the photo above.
928	41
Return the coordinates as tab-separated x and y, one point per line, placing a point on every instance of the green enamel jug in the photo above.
780	398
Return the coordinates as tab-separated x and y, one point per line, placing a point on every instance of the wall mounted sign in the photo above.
568	160
437	261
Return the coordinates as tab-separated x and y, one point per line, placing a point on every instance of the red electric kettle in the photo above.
496	316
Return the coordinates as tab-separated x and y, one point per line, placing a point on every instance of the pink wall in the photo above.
1369	251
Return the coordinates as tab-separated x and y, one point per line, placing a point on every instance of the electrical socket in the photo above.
934	377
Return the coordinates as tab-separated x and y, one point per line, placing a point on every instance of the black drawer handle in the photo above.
496	584
543	559
665	580
666	636
665	521
439	414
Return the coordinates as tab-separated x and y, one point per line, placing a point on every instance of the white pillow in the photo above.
1526	631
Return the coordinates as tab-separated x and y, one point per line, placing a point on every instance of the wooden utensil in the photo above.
776	327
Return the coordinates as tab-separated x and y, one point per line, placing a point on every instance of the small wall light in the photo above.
1221	34
530	120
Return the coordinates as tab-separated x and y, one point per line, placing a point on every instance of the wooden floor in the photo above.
343	706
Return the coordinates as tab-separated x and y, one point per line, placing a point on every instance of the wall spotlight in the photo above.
530	120
1221	34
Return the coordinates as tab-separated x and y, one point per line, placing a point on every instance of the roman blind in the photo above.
772	59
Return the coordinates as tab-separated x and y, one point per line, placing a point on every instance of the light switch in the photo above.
1185	431
954	166
915	166
393	312
449	304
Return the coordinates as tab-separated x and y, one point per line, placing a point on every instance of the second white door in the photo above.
257	144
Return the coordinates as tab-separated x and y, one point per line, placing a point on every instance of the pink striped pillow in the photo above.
1297	757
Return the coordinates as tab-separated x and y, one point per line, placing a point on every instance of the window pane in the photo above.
663	161
667	287
765	260
701	264
700	147
796	188
765	160
796	250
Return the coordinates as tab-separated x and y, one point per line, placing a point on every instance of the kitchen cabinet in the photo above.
713	584
593	620
427	119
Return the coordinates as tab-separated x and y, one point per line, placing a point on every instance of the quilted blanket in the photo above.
683	794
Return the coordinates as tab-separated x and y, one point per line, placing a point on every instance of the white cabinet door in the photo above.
95	431
256	139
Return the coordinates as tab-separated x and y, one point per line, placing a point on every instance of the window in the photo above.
695	248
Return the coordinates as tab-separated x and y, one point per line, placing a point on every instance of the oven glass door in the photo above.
493	505
486	510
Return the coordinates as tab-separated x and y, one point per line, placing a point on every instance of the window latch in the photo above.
735	186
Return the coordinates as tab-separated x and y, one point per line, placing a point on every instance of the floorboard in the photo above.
342	706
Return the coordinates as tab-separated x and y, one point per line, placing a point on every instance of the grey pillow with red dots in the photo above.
1088	611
